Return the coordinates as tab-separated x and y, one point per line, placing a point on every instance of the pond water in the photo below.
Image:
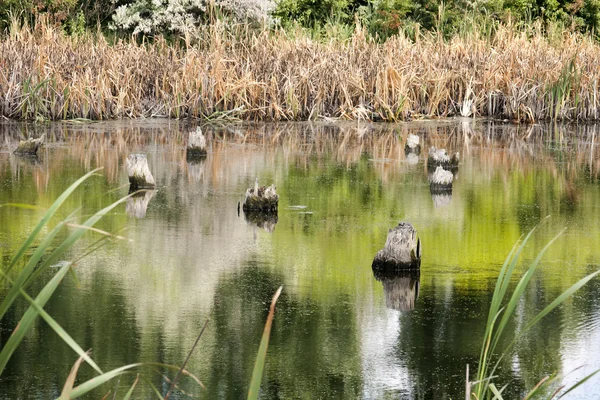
339	331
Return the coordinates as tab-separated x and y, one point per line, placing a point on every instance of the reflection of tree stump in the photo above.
441	181
261	198
412	145
439	158
401	289
140	176
441	199
138	203
266	221
30	146
196	147
402	250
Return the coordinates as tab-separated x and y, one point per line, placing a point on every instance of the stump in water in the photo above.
412	145
137	204
139	174
441	181
439	158
402	250
401	289
30	146
262	198
196	147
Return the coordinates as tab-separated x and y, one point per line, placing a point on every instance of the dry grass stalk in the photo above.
273	76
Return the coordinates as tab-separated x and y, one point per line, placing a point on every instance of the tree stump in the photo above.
401	289
439	158
264	199
140	176
30	146
196	147
412	145
402	250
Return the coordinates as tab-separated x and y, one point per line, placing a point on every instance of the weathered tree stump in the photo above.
137	204
439	158
30	146
402	250
261	198
412	145
196	147
401	288
441	181
140	176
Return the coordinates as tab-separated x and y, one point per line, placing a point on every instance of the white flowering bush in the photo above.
183	16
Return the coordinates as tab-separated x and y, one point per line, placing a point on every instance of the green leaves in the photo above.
484	387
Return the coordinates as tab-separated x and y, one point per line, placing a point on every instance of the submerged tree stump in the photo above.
441	199
402	250
401	288
140	176
30	146
196	147
439	158
261	198
412	145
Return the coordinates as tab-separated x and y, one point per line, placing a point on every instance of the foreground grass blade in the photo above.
259	365
581	382
19	282
49	214
62	333
93	383
30	316
130	391
73	237
68	387
185	362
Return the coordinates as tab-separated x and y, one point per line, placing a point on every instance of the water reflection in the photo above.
137	204
401	288
266	221
338	332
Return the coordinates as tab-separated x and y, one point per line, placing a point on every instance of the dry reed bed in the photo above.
274	76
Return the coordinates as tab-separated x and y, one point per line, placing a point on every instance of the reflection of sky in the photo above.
383	372
581	352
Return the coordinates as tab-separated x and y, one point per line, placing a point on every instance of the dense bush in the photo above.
382	17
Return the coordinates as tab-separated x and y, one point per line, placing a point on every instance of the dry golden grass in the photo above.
266	75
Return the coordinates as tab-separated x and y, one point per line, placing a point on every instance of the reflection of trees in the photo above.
441	336
313	349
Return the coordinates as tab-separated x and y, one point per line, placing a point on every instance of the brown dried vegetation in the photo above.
236	72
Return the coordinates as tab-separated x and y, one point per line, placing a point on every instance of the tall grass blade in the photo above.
29	317
13	292
186	361
259	365
132	388
49	214
93	383
516	295
581	382
68	387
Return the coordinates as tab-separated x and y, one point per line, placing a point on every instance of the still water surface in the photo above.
339	331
